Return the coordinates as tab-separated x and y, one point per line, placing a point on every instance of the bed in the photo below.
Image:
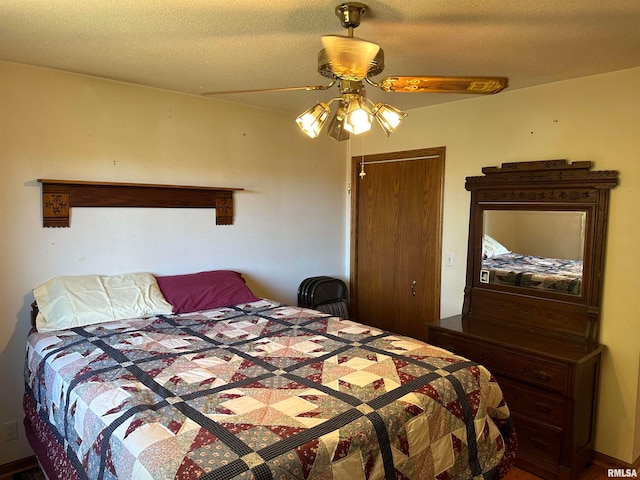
551	274
501	266
252	389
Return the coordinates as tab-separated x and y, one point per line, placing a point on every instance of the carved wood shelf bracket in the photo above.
59	196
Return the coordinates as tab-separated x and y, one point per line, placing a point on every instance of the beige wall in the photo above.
288	223
593	118
56	125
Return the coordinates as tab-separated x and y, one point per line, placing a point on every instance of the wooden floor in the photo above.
595	472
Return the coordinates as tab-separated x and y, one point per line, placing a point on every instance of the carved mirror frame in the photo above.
540	185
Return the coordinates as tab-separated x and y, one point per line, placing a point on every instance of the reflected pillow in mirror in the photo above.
491	247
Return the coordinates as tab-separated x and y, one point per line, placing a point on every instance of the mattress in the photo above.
552	274
259	391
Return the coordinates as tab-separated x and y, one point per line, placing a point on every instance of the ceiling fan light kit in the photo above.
351	62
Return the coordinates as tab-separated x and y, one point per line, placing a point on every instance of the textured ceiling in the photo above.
194	46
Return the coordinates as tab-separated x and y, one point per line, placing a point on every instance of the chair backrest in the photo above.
303	289
327	294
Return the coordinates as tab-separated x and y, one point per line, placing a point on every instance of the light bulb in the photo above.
358	118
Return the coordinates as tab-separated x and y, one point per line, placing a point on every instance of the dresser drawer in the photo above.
502	361
533	403
538	444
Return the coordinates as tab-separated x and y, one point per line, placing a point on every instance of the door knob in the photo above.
413	288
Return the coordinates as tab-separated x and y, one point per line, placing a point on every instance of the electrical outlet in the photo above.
449	262
10	430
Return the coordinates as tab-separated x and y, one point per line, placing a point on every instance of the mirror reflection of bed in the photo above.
539	249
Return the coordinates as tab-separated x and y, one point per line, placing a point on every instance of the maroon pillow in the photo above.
205	290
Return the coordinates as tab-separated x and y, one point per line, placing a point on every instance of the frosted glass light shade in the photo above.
388	117
336	124
312	120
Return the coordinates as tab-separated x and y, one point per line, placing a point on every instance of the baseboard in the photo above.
8	469
607	461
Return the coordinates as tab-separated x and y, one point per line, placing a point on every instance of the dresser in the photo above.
550	387
531	308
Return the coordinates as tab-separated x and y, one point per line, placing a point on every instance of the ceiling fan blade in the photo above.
479	85
350	57
282	89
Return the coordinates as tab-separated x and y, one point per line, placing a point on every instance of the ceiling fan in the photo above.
351	62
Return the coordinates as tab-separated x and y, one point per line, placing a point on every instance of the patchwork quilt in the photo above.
262	391
555	274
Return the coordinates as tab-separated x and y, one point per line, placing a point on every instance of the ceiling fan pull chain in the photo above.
362	172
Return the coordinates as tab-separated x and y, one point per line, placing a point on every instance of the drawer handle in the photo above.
539	443
543	407
542	375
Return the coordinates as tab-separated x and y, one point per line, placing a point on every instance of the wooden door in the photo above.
396	240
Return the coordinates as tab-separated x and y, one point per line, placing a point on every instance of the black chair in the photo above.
326	294
303	289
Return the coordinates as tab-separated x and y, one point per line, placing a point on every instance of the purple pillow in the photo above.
205	290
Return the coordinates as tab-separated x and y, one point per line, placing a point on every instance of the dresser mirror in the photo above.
536	247
533	246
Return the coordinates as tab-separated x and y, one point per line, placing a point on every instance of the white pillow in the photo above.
67	302
491	247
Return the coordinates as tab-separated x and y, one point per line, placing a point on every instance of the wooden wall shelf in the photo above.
59	196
